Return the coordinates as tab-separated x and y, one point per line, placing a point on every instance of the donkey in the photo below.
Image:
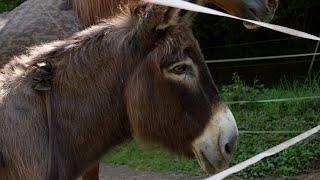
140	74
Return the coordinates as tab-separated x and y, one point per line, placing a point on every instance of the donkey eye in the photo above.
180	69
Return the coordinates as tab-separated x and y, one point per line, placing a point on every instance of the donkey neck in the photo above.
89	109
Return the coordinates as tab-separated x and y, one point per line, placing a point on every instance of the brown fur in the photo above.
108	85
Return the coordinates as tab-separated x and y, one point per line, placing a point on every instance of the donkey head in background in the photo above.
259	10
91	11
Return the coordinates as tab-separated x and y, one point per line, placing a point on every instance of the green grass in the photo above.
289	116
155	159
7	5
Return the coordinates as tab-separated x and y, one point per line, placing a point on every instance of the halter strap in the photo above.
43	84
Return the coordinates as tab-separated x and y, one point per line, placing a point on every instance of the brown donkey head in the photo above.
171	97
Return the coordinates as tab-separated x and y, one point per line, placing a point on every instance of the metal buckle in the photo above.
43	76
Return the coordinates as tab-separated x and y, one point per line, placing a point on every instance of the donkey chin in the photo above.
215	146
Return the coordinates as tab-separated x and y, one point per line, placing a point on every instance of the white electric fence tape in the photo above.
201	9
265	154
274	100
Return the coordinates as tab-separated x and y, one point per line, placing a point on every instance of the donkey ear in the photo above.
162	17
175	16
171	18
187	17
155	16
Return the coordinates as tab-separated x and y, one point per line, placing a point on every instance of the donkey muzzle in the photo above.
215	147
259	10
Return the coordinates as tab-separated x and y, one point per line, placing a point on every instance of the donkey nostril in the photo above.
228	148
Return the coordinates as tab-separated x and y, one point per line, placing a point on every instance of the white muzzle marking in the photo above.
214	148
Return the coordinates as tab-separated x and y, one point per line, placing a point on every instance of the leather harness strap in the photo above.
43	83
47	95
2	164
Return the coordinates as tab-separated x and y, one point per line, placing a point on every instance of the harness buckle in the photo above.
43	76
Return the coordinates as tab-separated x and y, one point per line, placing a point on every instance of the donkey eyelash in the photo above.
181	69
184	71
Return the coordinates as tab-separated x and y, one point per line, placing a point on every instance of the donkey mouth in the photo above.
207	165
265	15
251	14
249	25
